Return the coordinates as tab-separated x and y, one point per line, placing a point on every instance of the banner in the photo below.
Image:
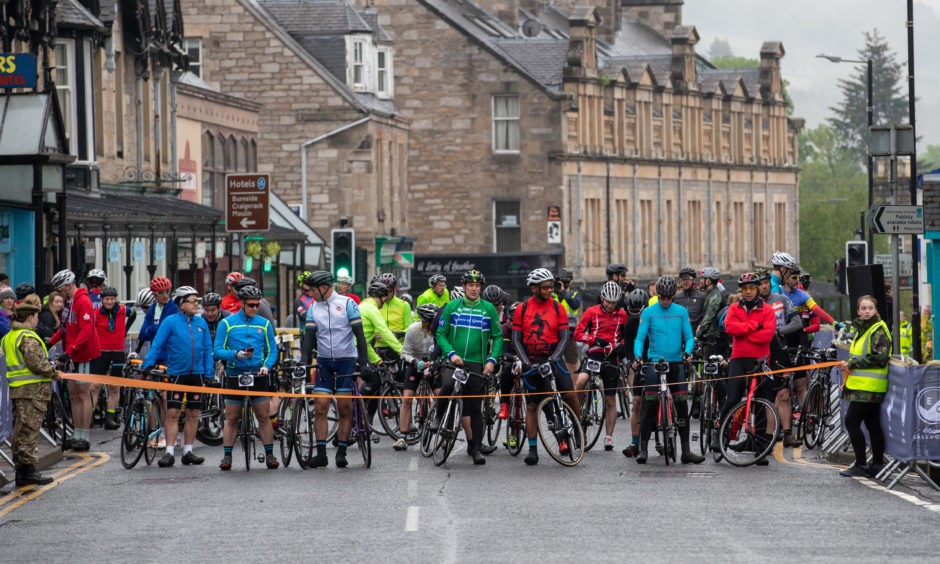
910	412
6	404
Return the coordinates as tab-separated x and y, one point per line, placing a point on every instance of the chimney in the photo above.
771	87
582	51
661	15
683	39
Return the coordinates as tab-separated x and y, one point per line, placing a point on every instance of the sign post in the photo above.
246	202
891	220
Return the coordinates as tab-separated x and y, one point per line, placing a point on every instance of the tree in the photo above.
889	101
929	160
729	61
720	48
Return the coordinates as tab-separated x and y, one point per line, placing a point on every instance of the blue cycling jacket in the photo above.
237	332
149	329
185	344
669	332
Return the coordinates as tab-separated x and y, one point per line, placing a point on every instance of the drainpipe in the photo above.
659	224
158	159
609	242
175	77
303	159
580	237
634	235
139	117
711	220
680	207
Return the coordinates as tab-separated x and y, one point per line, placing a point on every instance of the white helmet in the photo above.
63	278
538	276
144	298
98	274
785	260
611	291
182	293
457	293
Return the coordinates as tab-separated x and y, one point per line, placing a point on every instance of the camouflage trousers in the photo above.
29	409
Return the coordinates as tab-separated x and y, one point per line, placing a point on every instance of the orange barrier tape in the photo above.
132	383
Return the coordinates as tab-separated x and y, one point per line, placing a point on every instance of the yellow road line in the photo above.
23	490
62	476
778	455
798	457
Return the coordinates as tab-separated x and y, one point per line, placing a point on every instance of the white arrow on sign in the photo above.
245	222
896	219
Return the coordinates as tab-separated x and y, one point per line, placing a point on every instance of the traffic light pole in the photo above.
915	246
895	267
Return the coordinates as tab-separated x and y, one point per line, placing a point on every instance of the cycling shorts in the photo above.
110	363
413	378
333	376
610	373
262	384
535	385
174	399
678	384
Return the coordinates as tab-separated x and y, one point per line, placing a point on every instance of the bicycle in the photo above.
708	406
593	405
361	426
666	429
140	435
302	412
558	426
742	436
491	421
422	407
818	413
389	408
248	428
444	438
57	422
515	423
624	394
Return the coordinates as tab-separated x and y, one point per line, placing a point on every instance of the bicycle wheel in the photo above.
560	431
812	419
245	432
491	421
706	420
515	425
419	412
669	432
427	438
446	435
134	436
364	433
592	415
301	427
389	411
153	430
211	421
332	419
624	398
743	436
285	437
56	422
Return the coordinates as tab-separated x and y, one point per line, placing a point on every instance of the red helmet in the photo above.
234	277
160	283
390	281
749	278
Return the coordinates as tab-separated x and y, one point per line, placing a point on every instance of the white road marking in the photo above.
412	488
413	464
411	520
905	496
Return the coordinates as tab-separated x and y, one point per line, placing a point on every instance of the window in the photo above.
230	151
65	88
359	76
193	46
780	225
243	156
508	225
760	230
670	257
623	221
207	161
694	231
720	231
739	226
383	73
506	123
253	155
594	242
646	228
119	104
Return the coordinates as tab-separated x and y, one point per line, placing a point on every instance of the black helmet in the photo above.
748	278
564	275
426	312
511	310
637	300
108	291
472	276
493	294
805	280
319	278
688	272
616	268
378	290
244	282
24	290
249	292
762	274
436	279
666	286
211	299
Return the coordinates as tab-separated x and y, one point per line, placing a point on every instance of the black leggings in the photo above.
506	379
651	413
870	414
472	407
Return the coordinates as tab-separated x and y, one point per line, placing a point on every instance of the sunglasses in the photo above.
256	304
794	277
192	301
162	293
546	287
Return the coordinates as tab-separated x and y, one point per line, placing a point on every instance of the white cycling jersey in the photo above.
333	320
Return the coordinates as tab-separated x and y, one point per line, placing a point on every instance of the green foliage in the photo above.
929	160
731	62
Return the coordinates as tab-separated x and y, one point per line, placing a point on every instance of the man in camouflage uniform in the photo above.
28	375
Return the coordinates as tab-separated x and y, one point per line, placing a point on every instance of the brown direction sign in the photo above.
246	202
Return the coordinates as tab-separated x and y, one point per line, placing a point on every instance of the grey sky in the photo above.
810	27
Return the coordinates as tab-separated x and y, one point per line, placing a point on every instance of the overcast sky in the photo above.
810	27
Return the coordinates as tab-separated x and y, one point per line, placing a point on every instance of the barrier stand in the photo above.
4	455
912	465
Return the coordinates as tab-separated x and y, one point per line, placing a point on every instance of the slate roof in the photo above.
709	79
637	38
71	14
660	66
108	9
330	50
139	205
316	16
371	17
544	59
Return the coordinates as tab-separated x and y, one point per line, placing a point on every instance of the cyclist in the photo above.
708	333
335	338
436	293
805	306
416	352
185	342
80	345
264	310
303	301
396	311
212	312
782	264
690	297
570	299
343	284
95	281
539	336
667	326
230	302
378	335
602	330
752	324
617	272
507	375
788	321
161	309
470	336
111	322
635	303
245	341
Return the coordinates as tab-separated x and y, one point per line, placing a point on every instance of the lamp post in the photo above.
871	180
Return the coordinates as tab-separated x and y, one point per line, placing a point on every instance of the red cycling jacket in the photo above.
231	303
751	330
596	322
111	340
81	338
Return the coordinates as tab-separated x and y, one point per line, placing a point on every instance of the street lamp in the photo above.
871	181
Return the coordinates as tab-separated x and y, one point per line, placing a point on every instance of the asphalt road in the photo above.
608	509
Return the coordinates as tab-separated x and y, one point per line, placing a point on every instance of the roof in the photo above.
192	85
660	66
728	78
371	17
544	59
107	11
159	207
637	38
71	14
330	50
319	16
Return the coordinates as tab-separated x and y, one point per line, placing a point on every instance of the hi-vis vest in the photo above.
18	374
867	379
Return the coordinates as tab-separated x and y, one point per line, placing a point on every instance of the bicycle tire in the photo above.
211	421
558	425
153	434
492	424
55	422
592	414
515	424
389	411
623	396
364	433
671	434
134	436
419	412
812	418
706	419
446	434
427	438
302	435
754	444
285	437
245	432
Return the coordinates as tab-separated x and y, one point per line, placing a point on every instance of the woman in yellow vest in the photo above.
28	375
865	386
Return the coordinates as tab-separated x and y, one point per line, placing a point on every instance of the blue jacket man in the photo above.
184	343
237	332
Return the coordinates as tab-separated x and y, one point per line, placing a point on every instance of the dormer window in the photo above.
383	72
360	51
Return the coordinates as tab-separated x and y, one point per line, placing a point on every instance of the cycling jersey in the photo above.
418	343
471	330
213	325
373	323
397	315
302	304
333	320
353	297
155	315
800	299
95	297
111	325
776	284
693	300
539	322
429	297
231	303
185	344
597	322
77	332
667	329
751	328
571	301
237	332
708	329
787	320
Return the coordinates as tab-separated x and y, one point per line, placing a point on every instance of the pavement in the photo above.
607	509
48	456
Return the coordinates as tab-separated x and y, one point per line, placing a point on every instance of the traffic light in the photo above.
344	252
840	276
856	253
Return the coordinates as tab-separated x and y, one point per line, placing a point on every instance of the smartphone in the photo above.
251	351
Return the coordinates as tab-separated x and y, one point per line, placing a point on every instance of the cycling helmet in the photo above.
611	291
473	276
493	294
249	293
565	275
160	283
378	290
511	310
345	280
785	260
687	272
426	312
144	298
805	280
108	291
408	299
300	278
243	282
506	297
96	276
182	293
234	277
63	278
637	300
24	290
616	268
538	276
456	293
319	278
666	286
211	299
390	281
762	274
711	273
748	278
436	279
